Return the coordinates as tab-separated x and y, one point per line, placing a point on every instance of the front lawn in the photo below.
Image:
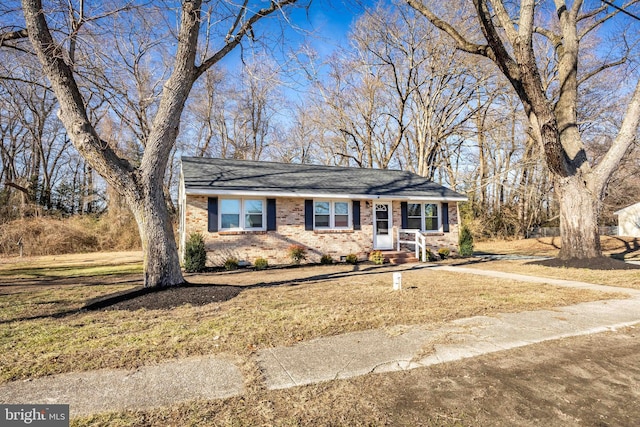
43	332
622	278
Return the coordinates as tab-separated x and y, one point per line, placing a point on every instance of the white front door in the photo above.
382	223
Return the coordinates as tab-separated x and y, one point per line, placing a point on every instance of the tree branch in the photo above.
13	35
234	40
18	187
497	51
626	136
72	109
601	69
505	21
461	42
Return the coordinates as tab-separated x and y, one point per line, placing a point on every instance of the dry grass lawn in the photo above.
37	337
71	265
622	278
44	333
612	245
627	247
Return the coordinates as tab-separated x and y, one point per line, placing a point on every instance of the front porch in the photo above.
399	257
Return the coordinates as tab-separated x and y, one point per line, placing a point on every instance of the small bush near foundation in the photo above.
430	256
231	263
444	253
297	253
465	241
376	257
326	259
195	254
261	263
351	259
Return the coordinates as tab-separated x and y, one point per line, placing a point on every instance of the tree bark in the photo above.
579	212
160	253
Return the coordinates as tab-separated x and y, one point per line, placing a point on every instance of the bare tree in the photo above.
142	185
509	31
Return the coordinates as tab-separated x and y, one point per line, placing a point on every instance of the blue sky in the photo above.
332	20
325	25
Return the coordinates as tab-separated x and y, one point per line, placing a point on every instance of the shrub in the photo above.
231	263
297	253
431	256
376	257
261	263
444	253
326	259
465	241
351	259
195	254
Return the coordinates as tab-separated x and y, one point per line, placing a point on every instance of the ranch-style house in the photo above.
252	209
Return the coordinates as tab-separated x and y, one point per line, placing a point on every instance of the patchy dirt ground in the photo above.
582	381
587	381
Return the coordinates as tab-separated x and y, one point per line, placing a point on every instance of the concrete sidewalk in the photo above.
329	358
359	353
106	390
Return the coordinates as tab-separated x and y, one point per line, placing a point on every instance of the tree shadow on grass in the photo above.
200	294
600	263
164	298
629	247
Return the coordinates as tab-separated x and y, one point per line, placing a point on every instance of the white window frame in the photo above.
332	215
420	209
422	215
243	214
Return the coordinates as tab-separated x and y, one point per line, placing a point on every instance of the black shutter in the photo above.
445	217
308	215
212	208
404	214
271	214
356	215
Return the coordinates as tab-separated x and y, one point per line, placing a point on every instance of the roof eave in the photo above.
318	195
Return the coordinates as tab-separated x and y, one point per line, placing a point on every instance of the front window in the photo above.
431	217
229	213
322	215
253	213
341	214
414	217
423	216
329	214
242	214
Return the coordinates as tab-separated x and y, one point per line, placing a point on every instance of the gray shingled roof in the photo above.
226	176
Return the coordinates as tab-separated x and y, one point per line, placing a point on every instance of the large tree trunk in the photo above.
509	34
579	211
141	186
160	254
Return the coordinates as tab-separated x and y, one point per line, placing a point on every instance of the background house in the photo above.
629	221
250	209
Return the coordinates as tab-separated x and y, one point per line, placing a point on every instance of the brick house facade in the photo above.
248	210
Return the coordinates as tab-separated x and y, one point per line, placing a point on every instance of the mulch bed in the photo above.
601	263
198	295
163	298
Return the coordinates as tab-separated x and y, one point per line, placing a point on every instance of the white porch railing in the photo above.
419	242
